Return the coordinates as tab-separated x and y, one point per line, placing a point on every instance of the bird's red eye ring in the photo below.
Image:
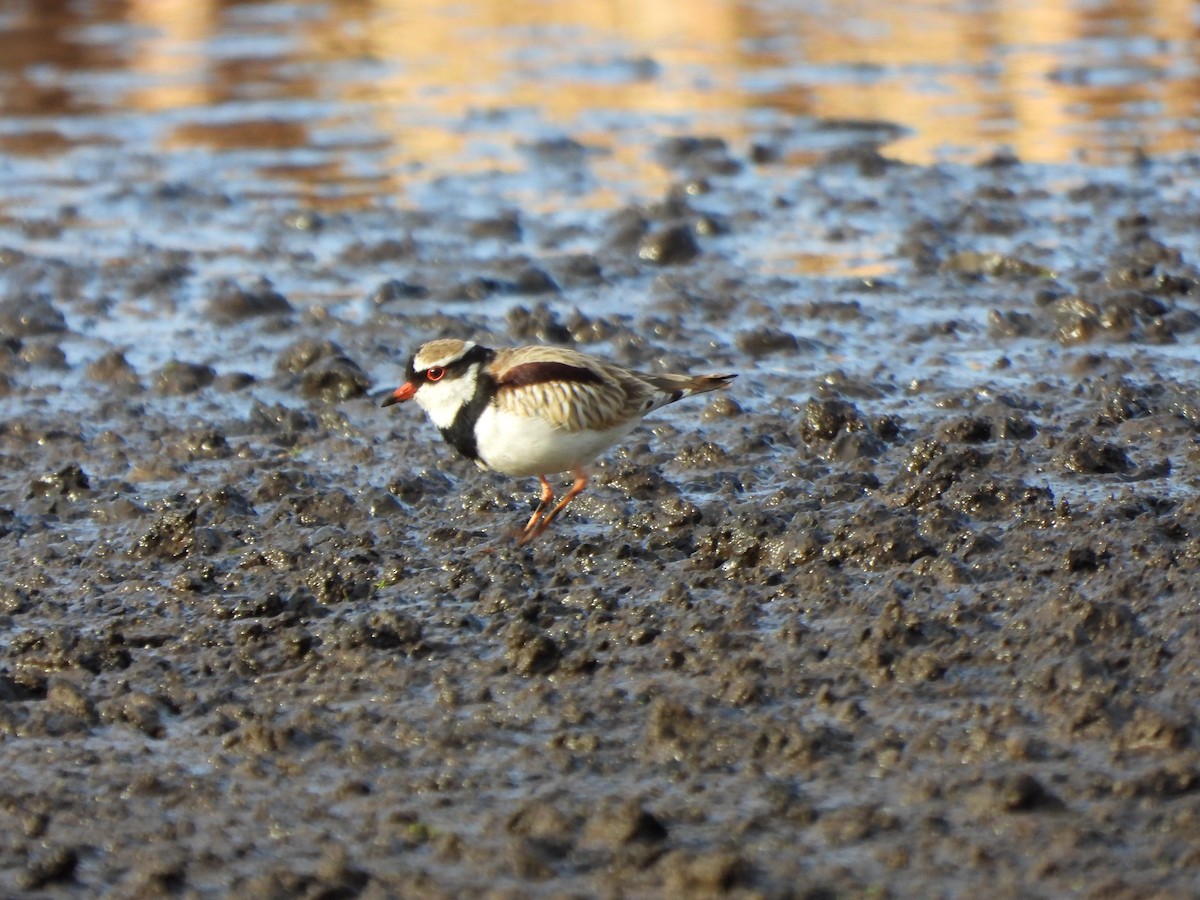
435	374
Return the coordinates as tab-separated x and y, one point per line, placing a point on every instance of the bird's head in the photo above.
443	376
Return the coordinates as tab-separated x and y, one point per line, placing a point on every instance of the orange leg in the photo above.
547	496
581	482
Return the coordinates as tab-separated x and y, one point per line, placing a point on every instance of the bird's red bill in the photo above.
402	393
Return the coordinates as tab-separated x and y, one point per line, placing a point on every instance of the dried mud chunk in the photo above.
206	443
967	430
336	581
621	824
562	151
704	875
759	342
70	482
989	220
159	875
863	156
282	881
852	824
545	824
921	244
504	227
335	379
255	607
388	630
1015	427
949	468
1088	456
577	269
336	874
697	155
1166	782
723	407
520	276
179	378
1101	622
1165	329
995	265
540	323
762	154
850	446
303	353
935	458
394	289
27	315
1023	793
1012	324
625	229
231	301
1122	400
68	697
477	287
1150	729
388	250
889	540
1081	559
1132	304
43	355
55	865
113	368
13	601
531	651
141	712
1078	320
531	860
669	246
330	507
173	535
825	419
673	726
281	419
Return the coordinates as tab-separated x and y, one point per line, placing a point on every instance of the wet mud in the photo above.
910	611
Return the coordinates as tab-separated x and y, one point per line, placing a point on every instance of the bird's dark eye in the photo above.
435	374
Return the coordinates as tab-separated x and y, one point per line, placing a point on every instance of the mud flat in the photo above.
911	611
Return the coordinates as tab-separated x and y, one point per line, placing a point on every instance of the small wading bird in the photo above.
536	410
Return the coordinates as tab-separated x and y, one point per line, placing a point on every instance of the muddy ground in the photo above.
911	611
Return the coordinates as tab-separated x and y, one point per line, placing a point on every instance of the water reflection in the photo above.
1054	82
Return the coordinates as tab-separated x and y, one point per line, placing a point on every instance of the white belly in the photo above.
520	445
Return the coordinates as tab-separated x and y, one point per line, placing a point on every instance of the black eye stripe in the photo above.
476	354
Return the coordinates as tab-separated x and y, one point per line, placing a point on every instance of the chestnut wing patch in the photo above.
566	396
547	370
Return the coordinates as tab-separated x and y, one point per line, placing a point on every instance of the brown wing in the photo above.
568	389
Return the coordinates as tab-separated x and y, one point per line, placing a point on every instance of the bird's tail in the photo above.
680	386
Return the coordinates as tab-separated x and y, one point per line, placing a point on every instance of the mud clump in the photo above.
30	315
1089	456
71	482
178	378
113	368
699	156
669	246
766	341
232	302
915	590
335	379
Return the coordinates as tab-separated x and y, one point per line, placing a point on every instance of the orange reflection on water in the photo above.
1053	81
967	77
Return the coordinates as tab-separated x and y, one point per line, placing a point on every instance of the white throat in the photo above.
442	400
